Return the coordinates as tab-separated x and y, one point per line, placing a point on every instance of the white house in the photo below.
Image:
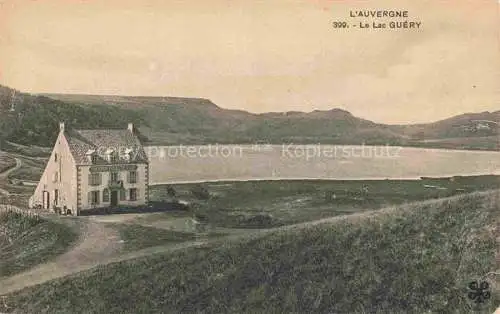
94	168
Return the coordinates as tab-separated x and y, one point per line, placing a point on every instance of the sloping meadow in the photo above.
408	259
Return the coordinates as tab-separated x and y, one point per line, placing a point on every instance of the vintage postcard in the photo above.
249	156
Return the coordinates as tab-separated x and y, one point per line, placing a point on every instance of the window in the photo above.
122	195
55	157
95	179
93	158
113	177
94	197
56	197
105	196
132	177
133	194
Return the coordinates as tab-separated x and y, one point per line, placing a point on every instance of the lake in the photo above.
178	164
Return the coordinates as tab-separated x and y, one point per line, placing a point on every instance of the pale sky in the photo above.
259	56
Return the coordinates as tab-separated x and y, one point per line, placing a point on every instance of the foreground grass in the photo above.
27	241
265	204
19	200
411	259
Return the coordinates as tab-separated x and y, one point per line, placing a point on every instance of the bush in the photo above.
262	220
171	191
200	192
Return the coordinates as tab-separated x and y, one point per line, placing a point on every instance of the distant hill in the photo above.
464	125
176	120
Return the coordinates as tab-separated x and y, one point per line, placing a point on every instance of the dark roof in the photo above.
82	141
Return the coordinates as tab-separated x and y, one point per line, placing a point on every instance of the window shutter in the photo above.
90	178
100	178
136	194
129	177
90	197
98	198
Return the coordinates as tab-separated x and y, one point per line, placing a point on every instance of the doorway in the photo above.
46	200
114	198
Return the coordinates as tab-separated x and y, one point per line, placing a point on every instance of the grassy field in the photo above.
27	241
407	259
264	204
138	237
31	169
26	150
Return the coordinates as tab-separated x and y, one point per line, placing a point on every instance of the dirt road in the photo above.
97	244
6	173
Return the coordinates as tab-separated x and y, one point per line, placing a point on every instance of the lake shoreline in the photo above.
320	179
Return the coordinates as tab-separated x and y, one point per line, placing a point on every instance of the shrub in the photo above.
171	191
200	192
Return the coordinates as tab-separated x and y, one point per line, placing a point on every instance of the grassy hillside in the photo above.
6	162
194	120
27	241
31	169
411	259
35	119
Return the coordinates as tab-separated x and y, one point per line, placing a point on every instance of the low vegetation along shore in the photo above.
266	204
406	259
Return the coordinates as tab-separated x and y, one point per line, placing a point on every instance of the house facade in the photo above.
91	169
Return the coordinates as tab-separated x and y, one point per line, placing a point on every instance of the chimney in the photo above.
131	127
61	126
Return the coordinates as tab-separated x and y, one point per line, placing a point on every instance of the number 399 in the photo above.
339	24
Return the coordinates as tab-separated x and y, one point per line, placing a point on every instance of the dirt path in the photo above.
4	192
4	175
97	244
